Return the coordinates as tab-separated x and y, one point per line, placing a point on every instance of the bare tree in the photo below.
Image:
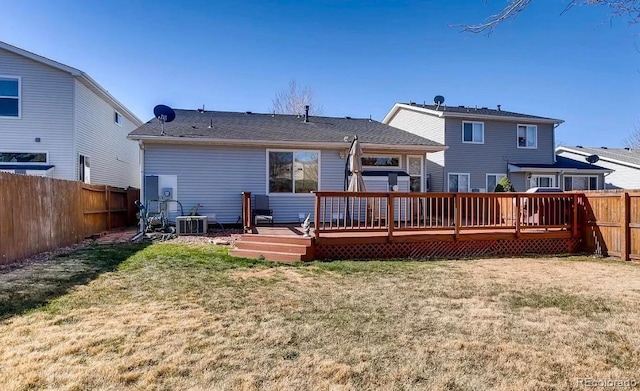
292	100
633	141
619	8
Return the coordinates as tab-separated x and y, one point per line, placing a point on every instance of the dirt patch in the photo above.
289	275
220	237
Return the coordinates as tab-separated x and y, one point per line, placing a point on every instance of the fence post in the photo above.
626	231
574	228
518	215
457	201
107	192
390	215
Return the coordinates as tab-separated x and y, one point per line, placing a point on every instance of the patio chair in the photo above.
261	210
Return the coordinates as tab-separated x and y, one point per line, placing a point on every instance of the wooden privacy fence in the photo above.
611	223
40	214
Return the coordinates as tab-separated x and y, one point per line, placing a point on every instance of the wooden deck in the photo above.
387	225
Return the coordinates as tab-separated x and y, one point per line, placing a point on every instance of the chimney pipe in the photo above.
306	113
499	107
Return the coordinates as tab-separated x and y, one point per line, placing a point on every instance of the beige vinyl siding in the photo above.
499	149
47	113
114	158
429	127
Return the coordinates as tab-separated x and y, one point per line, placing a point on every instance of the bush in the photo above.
504	186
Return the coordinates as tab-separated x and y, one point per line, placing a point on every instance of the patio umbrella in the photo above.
356	182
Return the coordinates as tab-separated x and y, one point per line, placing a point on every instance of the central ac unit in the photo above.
191	225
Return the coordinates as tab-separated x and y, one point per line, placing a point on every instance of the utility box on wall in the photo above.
167	193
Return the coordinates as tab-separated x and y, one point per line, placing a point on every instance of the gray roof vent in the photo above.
347	117
579	146
604	147
248	112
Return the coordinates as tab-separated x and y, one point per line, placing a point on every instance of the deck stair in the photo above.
274	248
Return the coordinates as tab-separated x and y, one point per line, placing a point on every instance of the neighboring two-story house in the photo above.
56	121
485	145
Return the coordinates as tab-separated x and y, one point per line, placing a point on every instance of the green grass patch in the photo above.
32	286
564	301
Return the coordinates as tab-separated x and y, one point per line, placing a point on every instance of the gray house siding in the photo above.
215	176
498	150
46	113
114	158
431	128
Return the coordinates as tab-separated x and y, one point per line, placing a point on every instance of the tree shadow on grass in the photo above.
34	285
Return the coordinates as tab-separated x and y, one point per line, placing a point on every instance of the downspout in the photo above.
141	145
553	140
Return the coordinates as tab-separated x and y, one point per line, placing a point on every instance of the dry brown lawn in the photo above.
180	317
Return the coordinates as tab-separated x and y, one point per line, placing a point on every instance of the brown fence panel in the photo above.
611	223
634	226
40	214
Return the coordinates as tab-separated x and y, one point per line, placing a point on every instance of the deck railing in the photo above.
456	212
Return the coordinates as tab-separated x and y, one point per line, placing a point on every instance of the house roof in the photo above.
83	77
468	112
561	164
268	129
624	156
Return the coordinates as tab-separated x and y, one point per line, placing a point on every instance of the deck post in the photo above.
626	231
316	218
390	215
246	211
457	201
518	216
574	228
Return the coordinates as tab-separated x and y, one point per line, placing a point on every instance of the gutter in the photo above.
287	144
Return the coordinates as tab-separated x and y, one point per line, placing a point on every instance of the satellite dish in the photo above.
439	99
592	158
164	113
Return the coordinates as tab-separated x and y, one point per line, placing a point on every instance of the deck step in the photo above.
269	255
301	249
284	239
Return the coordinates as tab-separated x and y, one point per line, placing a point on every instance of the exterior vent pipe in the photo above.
306	113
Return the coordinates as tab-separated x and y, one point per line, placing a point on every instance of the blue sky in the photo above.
358	57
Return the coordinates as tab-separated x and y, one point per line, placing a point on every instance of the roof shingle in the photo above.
222	125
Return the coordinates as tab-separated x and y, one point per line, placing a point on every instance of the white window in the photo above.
117	118
473	132
527	136
580	182
415	168
459	182
84	169
381	161
10	96
492	181
542	181
293	171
